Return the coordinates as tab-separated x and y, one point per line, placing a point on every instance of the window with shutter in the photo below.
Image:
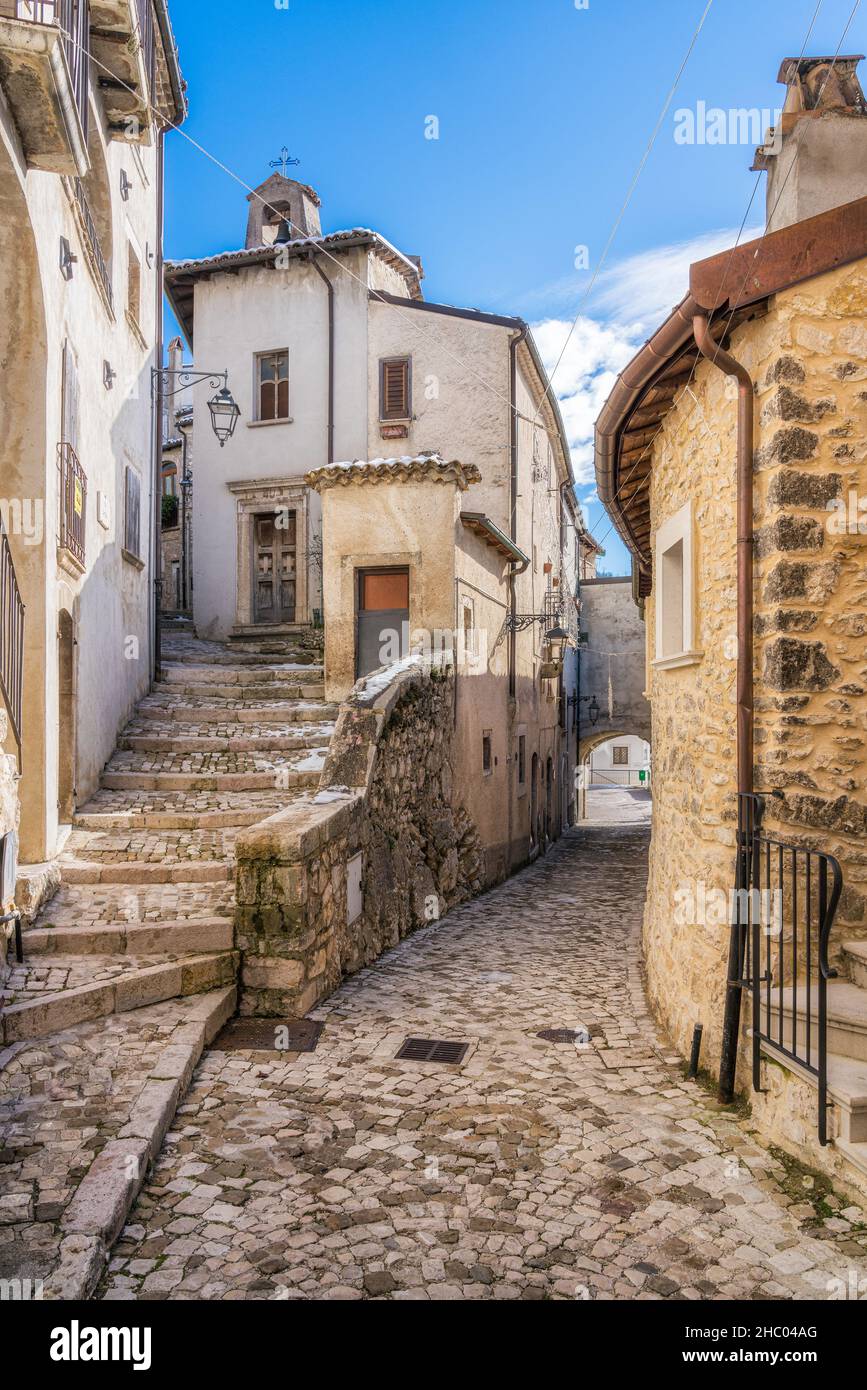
132	513
394	388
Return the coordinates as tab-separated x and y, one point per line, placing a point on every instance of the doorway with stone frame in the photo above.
271	577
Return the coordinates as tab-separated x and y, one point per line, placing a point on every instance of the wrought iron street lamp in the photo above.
557	639
224	415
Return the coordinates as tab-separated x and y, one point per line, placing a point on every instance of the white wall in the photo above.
604	772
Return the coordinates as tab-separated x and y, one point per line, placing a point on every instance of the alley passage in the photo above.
534	1169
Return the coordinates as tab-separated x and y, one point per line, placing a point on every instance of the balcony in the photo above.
44	67
73	510
123	44
11	639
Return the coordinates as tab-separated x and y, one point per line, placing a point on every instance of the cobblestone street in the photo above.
532	1170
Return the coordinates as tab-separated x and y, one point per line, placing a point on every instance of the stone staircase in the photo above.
133	958
847	1051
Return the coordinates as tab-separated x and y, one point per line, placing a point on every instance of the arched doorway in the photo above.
534	801
614	772
549	800
66	707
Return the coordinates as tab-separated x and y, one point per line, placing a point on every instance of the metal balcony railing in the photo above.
73	18
11	638
92	242
73	502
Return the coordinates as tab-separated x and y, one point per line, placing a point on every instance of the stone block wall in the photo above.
388	794
808	359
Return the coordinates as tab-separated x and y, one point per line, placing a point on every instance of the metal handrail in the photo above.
785	906
11	639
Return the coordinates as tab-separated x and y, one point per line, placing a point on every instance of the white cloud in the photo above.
645	288
629	303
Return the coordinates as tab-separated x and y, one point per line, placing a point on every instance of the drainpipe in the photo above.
726	363
156	589
330	288
514	343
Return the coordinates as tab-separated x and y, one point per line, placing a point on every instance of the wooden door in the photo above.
383	618
274	576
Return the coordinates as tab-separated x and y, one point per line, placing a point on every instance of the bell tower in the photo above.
280	199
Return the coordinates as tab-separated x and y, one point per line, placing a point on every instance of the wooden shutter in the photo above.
394	402
132	512
70	411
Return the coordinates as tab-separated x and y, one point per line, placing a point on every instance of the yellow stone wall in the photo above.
808	359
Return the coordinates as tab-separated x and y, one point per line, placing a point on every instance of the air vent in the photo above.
432	1050
269	1035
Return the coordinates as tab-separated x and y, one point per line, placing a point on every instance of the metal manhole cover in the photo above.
269	1035
431	1050
564	1035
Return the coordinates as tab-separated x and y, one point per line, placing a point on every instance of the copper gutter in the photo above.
745	720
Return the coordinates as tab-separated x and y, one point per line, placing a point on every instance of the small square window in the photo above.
272	385
620	756
487	756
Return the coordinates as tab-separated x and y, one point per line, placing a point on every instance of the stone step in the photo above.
213	782
134	872
122	985
200	673
855	962
275	690
186	740
136	819
86	1159
847	1019
152	847
189	936
259	713
136	904
229	658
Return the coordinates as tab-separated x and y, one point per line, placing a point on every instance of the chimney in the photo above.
816	158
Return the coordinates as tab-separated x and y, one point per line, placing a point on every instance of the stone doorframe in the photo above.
253	498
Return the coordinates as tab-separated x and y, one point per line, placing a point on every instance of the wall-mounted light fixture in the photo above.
125	185
108	375
67	259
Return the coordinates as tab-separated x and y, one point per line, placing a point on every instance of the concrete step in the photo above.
248	658
847	1019
200	673
855	962
193	820
134	872
260	713
135	987
207	691
189	936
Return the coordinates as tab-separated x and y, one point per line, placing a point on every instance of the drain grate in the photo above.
563	1035
432	1050
269	1035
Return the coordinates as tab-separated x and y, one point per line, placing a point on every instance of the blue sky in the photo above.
544	112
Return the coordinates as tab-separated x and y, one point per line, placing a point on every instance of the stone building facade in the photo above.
82	118
791	310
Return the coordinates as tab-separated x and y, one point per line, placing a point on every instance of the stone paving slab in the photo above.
533	1170
81	905
80	1120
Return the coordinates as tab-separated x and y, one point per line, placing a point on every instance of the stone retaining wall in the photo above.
308	910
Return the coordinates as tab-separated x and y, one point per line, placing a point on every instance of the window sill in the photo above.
132	559
670	663
136	331
265	424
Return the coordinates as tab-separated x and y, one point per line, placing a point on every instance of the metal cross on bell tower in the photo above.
283	162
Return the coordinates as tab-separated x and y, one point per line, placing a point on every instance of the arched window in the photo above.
170	479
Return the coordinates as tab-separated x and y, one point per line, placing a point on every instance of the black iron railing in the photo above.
92	242
73	501
786	898
11	638
73	18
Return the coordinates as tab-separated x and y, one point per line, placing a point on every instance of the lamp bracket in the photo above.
172	380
